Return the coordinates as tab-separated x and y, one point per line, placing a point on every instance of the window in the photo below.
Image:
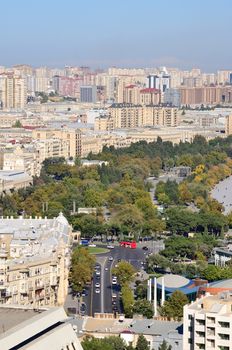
200	322
224	324
224	336
190	341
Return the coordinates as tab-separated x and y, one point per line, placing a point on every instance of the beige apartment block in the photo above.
207	95
208	323
161	116
71	136
29	158
132	116
103	123
13	92
34	261
20	158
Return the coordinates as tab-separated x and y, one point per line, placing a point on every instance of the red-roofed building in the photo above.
150	96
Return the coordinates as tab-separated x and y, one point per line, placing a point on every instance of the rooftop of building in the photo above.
139	326
11	316
39	238
150	90
25	328
222	284
220	303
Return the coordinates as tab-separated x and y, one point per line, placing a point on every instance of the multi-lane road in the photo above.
105	298
102	296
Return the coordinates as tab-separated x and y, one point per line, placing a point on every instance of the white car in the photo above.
98	273
97	291
110	247
92	245
111	258
97	285
106	269
114	281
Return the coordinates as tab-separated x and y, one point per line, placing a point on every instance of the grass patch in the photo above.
97	250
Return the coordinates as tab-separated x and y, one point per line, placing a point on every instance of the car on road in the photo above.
110	246
114	281
145	248
83	309
114	302
115	308
111	258
98	273
97	285
114	296
97	291
106	268
84	293
92	245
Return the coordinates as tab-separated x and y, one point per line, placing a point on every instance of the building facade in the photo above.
34	261
208	323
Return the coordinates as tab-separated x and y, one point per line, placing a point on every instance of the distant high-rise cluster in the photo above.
22	84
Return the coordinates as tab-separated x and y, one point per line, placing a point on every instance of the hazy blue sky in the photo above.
101	33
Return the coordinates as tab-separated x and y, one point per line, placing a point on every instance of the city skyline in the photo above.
118	33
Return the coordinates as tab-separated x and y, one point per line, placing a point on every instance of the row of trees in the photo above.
117	343
125	273
82	266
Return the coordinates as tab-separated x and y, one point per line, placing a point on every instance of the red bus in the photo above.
131	245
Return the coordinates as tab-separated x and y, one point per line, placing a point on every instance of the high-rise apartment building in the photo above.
160	81
208	323
207	95
13	92
65	86
88	94
172	96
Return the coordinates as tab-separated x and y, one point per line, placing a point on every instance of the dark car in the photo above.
145	248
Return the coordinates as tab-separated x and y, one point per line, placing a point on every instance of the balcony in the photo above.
23	290
39	286
54	281
199	328
199	340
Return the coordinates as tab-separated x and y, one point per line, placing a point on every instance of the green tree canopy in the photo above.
173	307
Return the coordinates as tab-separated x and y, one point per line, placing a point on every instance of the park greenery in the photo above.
192	222
113	343
120	187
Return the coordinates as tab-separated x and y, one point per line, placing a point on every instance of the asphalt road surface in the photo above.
102	302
